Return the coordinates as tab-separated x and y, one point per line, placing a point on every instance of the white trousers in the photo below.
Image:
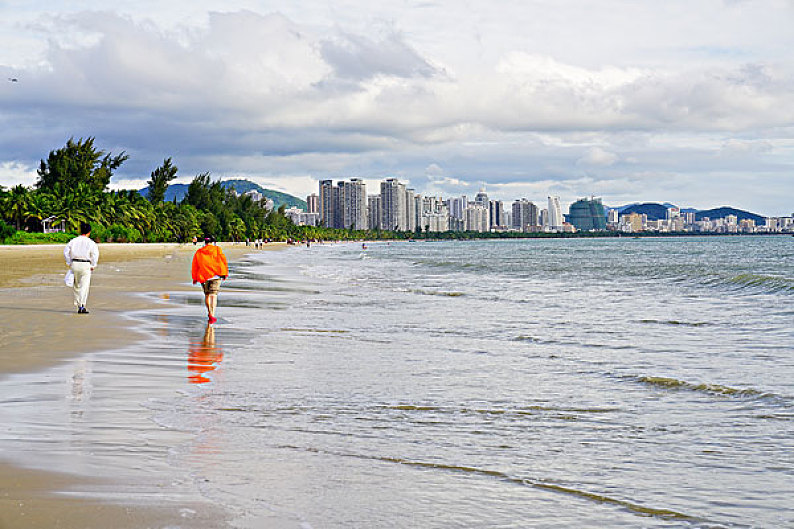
82	282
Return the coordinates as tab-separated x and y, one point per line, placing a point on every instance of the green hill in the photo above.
654	211
278	198
178	191
659	211
719	213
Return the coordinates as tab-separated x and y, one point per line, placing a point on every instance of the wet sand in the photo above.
40	327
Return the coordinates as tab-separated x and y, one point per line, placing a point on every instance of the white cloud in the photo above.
521	97
598	157
16	173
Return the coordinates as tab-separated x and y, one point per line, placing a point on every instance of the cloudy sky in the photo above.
689	102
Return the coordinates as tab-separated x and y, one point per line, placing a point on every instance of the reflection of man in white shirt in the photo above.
81	256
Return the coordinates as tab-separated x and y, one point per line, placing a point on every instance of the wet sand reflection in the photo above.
203	357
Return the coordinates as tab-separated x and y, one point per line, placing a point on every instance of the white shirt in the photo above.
81	248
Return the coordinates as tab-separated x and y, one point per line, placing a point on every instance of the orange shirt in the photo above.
209	262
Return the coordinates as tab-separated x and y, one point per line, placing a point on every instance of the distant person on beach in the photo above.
210	268
82	255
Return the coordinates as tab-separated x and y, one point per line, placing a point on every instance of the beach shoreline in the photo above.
42	329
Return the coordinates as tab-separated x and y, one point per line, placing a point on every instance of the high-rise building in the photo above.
481	198
417	212
525	213
520	214
632	222
555	214
343	206
410	210
496	213
477	218
392	203
352	205
374	212
434	215
313	203
457	206
327	203
614	216
587	214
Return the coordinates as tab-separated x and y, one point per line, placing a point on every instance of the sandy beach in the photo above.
40	328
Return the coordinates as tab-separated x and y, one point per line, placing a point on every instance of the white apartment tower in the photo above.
352	206
392	204
373	212
457	206
555	214
477	218
410	210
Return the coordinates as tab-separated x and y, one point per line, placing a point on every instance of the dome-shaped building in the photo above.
587	214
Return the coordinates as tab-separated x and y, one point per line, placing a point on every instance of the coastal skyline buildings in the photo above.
400	208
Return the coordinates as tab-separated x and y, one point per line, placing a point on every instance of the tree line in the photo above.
73	184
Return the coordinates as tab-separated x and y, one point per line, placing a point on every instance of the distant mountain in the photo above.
278	198
178	192
718	213
659	211
654	211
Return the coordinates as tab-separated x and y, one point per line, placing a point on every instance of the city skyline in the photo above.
396	207
686	102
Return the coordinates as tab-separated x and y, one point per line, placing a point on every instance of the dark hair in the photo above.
208	239
85	228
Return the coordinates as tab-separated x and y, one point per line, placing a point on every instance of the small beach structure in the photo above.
53	225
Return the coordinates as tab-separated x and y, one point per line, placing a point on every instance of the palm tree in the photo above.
16	205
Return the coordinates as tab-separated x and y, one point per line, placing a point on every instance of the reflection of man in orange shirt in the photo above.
203	357
209	268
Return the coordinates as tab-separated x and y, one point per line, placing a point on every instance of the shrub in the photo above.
23	237
6	230
119	233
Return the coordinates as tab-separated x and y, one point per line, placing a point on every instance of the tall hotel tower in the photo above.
555	214
344	206
352	205
392	205
327	203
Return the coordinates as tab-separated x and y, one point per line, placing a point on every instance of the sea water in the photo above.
510	383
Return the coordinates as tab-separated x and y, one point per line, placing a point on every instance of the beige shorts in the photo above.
213	286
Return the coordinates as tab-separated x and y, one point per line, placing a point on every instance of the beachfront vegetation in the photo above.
73	187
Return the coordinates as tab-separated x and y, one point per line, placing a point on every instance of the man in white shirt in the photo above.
81	256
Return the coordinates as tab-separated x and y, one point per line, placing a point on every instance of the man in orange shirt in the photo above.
209	268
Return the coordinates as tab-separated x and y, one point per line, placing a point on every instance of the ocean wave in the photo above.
528	410
762	283
543	484
426	292
675	322
716	389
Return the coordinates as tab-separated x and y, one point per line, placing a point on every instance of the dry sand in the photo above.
39	327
